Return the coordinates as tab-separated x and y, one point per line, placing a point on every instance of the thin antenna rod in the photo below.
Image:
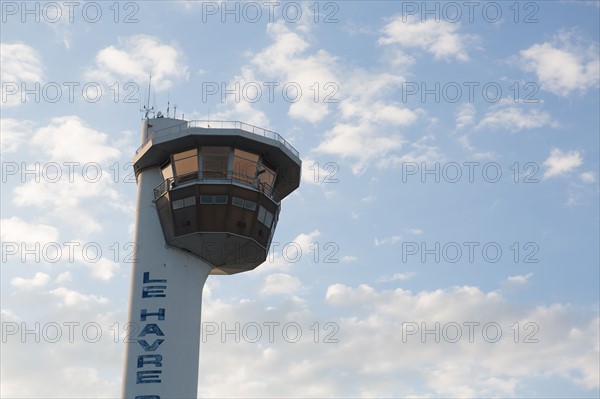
208	118
146	108
149	88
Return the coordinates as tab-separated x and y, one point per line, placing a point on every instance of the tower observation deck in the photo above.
208	202
222	187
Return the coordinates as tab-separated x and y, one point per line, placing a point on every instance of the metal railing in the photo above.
163	188
173	182
221	125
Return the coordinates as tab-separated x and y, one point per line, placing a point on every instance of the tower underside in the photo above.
228	225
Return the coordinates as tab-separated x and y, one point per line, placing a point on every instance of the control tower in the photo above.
209	198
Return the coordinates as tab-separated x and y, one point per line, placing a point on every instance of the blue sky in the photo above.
453	135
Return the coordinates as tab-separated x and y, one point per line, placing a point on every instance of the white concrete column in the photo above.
163	342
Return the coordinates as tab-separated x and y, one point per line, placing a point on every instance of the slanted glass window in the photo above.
215	162
266	177
269	219
250	205
178	204
242	203
167	171
189	201
220	200
213	199
206	199
182	203
186	165
244	166
265	217
262	212
237	201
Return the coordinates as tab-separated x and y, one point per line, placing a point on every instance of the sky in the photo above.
444	238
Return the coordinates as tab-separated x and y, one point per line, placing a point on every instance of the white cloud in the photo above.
70	139
519	279
79	203
389	240
420	151
26	241
365	333
101	267
440	38
136	58
515	118
104	269
63	28
280	283
71	298
20	63
465	116
9	315
361	142
402	61
371	133
17	230
368	129
18	234
365	101
305	240
323	174
13	133
367	126
73	185
97	374
560	163
284	255
369	198
396	277
349	258
336	292
289	61
38	280
299	361
587	177
563	65
65	277
485	370
242	108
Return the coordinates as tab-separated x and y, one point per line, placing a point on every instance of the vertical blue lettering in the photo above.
160	314
147	279
150	348
151	329
148	377
149	359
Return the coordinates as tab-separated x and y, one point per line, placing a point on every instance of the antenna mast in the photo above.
168	103
146	108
